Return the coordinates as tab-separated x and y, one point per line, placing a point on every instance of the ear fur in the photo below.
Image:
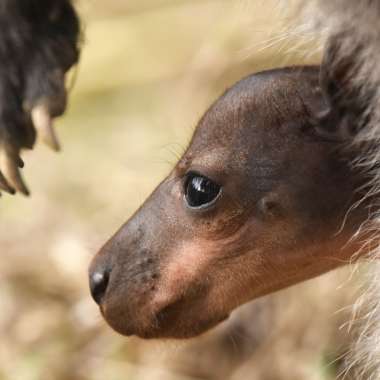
346	109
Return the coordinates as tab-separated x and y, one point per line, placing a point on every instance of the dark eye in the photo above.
200	191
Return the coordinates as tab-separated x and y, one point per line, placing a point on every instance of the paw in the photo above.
38	45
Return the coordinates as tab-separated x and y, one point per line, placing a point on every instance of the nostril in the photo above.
98	284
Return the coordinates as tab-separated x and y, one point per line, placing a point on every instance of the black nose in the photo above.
98	284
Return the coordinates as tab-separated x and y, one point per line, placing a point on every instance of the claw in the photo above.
5	186
20	162
10	170
43	123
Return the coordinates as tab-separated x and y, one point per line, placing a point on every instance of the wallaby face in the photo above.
258	202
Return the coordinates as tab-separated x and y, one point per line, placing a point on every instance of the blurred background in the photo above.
149	70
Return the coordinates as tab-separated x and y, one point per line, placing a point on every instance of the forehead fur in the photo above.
270	99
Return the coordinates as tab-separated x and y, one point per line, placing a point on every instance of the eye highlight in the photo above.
200	191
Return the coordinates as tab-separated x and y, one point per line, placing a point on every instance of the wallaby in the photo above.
259	201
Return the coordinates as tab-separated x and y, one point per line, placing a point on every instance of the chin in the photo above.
166	328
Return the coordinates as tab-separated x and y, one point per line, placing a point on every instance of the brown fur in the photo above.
282	218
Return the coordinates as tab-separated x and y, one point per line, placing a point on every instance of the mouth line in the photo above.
183	318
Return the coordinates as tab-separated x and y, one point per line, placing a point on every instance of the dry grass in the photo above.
149	70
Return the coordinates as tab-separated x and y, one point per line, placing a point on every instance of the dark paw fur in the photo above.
39	43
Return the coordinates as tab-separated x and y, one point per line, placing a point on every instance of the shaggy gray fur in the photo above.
352	32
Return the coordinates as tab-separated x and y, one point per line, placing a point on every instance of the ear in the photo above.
345	113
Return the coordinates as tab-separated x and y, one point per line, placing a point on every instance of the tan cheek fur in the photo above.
189	261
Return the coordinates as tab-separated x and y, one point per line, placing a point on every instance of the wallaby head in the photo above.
259	201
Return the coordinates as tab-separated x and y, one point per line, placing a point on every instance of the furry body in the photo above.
350	66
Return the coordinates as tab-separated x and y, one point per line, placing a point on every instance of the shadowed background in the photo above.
149	69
